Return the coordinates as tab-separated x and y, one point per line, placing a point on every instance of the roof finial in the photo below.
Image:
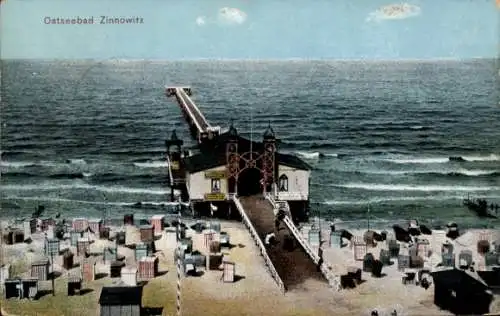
232	130
269	133
174	135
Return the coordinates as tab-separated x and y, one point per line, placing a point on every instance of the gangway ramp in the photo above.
294	267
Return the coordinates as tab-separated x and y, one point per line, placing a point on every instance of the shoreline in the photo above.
360	223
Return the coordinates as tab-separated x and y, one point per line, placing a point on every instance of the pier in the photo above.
232	172
200	128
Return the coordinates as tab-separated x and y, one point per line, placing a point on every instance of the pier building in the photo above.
252	180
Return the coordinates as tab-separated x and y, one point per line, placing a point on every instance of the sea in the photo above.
86	137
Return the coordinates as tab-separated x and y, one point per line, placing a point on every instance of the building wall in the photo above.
298	184
199	184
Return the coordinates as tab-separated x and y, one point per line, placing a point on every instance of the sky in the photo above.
252	29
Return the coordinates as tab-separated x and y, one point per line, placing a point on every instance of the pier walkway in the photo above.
295	266
200	128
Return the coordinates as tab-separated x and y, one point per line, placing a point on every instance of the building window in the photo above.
283	183
215	185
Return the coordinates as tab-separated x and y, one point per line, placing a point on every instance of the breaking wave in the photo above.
392	199
17	164
455	173
111	189
25	164
96	178
404	187
314	155
436	160
151	164
419	160
29	164
76	161
145	204
491	157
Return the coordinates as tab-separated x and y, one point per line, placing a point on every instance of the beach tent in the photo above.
117	301
401	234
461	292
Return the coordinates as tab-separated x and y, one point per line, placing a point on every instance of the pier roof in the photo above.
200	162
216	157
243	143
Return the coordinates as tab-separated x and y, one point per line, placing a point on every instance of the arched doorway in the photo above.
249	182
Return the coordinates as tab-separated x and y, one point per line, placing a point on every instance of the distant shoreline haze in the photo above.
373	60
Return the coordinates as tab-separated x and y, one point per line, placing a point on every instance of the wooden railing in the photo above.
270	198
184	104
258	242
314	256
196	111
333	280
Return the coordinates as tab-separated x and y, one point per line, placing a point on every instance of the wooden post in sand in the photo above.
53	274
179	249
1	263
1	245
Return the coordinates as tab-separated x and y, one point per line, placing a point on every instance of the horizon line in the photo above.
292	59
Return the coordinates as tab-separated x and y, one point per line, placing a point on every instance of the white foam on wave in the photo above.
436	160
116	189
77	161
23	164
54	199
153	164
394	199
491	157
313	155
16	164
462	171
473	173
405	187
428	160
154	203
417	127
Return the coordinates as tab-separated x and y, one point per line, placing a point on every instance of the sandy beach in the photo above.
255	293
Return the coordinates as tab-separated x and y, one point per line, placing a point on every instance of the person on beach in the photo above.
262	188
277	224
270	239
279	217
320	261
332	226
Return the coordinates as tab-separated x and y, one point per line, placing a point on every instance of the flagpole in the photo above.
368	216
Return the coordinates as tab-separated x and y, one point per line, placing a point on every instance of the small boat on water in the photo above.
481	207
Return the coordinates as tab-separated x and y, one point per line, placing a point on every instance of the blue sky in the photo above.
254	29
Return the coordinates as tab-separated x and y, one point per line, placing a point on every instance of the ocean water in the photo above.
85	138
